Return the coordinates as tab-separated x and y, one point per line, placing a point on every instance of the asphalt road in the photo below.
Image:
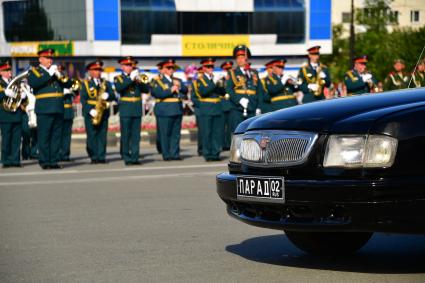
161	222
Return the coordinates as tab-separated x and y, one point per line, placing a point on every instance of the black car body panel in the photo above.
340	199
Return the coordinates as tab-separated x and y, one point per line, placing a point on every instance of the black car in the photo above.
331	173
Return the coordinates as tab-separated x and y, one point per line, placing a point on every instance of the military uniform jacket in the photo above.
130	102
418	79
208	95
68	110
89	94
167	103
6	116
278	91
239	85
308	75
355	84
48	91
396	81
226	105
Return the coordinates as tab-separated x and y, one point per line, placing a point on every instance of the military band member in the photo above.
265	102
397	79
29	149
314	77
195	96
359	80
226	105
130	85
68	118
48	83
10	122
211	112
418	77
280	87
244	86
96	91
169	92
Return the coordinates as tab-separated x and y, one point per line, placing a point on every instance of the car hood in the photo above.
344	115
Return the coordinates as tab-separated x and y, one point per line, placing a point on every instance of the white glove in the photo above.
244	102
322	75
134	74
25	91
52	70
9	92
66	91
313	87
367	77
257	111
284	79
105	96
93	112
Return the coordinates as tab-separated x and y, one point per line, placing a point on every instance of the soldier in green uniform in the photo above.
280	87
244	87
48	84
359	80
169	92
29	139
212	113
10	122
68	118
418	77
265	102
194	96
226	105
314	76
130	85
96	90
397	79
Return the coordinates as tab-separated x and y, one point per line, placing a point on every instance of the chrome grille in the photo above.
286	150
276	148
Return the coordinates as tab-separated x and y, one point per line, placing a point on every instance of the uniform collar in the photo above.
44	68
6	81
208	76
168	78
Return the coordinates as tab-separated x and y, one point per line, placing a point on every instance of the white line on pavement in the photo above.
65	171
106	179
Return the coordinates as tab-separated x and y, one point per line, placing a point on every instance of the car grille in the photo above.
276	148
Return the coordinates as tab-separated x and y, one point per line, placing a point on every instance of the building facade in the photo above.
81	30
407	13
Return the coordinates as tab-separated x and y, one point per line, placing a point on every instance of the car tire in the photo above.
329	243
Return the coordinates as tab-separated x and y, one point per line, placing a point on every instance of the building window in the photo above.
414	16
140	19
40	20
346	17
395	15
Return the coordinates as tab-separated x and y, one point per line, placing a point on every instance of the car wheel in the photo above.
329	243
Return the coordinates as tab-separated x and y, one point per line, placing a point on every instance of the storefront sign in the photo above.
212	45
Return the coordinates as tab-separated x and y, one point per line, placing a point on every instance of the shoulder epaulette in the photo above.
119	78
35	72
160	83
204	83
351	75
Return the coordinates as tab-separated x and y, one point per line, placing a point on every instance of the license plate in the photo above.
268	189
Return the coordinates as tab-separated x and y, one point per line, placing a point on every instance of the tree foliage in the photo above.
381	45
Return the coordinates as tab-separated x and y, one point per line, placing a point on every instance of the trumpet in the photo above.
17	86
76	85
142	78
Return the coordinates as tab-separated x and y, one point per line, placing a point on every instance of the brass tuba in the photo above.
17	85
101	105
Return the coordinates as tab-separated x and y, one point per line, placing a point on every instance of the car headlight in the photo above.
352	151
235	155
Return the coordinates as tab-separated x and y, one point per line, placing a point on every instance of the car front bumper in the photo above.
384	205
